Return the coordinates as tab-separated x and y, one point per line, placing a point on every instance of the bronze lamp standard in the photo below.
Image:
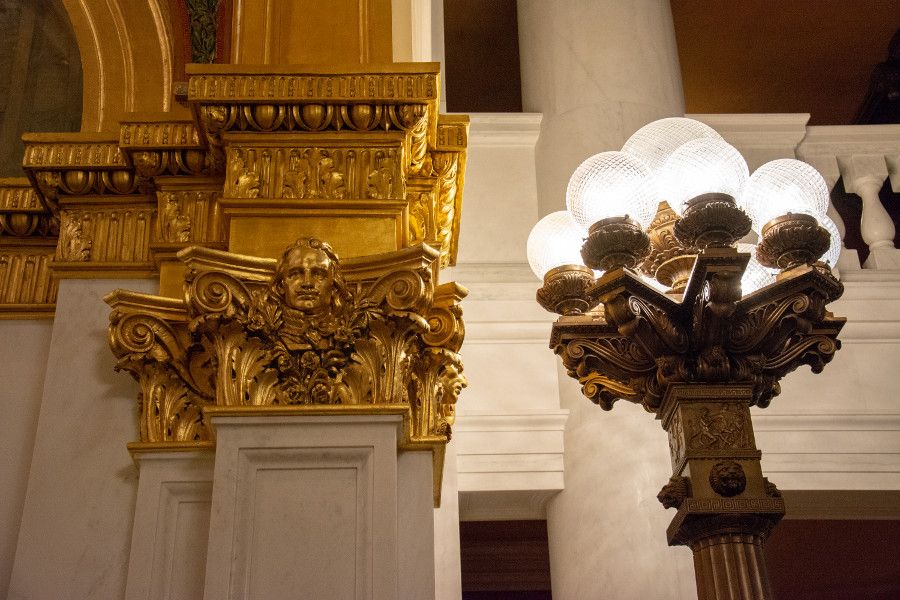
683	322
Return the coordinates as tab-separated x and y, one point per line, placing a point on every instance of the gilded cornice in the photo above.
28	238
392	82
296	145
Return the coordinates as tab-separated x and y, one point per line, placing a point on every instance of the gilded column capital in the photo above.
302	333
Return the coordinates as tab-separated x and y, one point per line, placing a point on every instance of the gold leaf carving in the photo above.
301	335
180	134
70	154
244	181
381	179
74	243
296	87
119	235
167	411
25	277
174	225
421	225
188	215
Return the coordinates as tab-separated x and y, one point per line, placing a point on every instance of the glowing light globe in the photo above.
554	241
784	186
702	166
756	276
655	142
611	184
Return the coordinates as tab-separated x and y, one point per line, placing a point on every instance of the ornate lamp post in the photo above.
694	328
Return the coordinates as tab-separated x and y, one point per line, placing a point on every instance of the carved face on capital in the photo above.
727	478
308	276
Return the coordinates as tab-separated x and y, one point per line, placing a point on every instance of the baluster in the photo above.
827	165
864	175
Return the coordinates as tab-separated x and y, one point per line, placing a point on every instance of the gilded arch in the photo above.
127	57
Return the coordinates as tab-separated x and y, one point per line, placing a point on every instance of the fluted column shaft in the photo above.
731	566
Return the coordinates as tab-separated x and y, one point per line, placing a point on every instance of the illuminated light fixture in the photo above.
554	254
702	180
787	200
655	142
613	195
699	167
718	341
611	184
784	186
554	242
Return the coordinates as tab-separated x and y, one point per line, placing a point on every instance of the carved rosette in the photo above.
386	336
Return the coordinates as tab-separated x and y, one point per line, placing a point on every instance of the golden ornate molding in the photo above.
353	83
270	153
309	330
28	239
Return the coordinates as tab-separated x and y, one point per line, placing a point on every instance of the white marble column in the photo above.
607	531
598	71
75	532
23	358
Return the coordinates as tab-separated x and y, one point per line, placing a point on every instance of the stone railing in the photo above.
863	156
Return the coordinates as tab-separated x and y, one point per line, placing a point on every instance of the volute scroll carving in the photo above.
713	335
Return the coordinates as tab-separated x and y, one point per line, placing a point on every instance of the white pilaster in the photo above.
447	564
320	504
171	525
597	71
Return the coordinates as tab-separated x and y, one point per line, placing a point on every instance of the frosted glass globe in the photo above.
655	142
611	184
702	166
555	241
833	253
782	186
756	275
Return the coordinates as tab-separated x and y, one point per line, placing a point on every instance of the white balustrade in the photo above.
864	175
862	155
